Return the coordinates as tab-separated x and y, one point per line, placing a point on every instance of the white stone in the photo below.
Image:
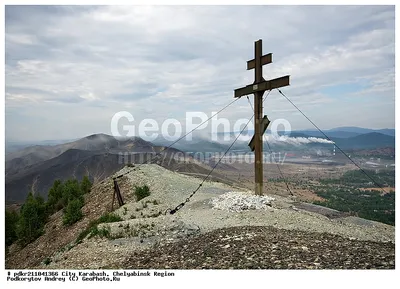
240	201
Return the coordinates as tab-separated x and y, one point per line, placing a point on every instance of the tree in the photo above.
55	196
32	219
71	191
73	212
86	185
12	218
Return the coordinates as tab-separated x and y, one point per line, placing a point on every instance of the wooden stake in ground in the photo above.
259	86
117	193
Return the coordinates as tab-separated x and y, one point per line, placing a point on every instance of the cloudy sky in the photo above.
70	69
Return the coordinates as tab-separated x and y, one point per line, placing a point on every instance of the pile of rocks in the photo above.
240	201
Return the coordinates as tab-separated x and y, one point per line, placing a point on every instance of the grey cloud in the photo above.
186	57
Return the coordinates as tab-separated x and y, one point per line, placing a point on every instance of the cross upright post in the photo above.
258	145
258	88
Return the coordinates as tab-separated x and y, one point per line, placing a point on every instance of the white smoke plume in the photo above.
289	140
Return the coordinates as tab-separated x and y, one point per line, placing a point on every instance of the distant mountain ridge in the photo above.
341	132
359	141
101	142
364	141
97	156
359	130
39	177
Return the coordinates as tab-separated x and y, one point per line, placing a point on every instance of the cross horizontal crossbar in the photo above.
265	59
264	124
262	86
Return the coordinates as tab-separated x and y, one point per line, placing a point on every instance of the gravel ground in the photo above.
265	248
175	188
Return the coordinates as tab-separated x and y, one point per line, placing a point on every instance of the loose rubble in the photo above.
240	201
265	248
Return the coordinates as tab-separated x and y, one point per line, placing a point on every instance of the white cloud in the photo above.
160	62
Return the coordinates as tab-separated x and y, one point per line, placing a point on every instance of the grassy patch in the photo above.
109	218
103	232
142	192
92	229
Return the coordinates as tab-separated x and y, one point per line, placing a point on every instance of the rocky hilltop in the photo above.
220	227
